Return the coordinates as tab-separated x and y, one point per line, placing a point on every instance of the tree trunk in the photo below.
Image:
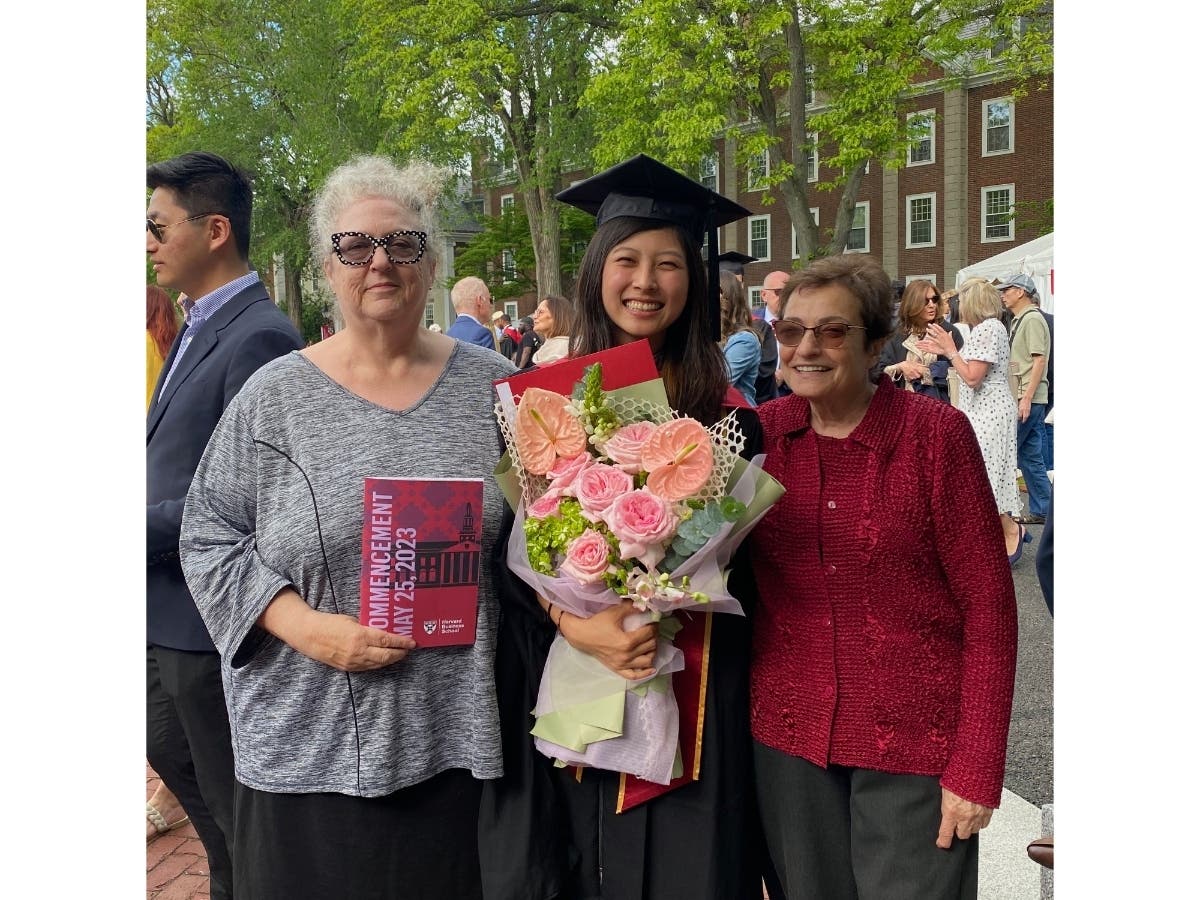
292	292
545	227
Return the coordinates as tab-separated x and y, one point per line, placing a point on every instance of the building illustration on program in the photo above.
450	563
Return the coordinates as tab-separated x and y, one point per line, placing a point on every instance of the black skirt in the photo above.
418	842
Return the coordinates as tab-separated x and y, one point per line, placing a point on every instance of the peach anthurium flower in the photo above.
546	430
679	458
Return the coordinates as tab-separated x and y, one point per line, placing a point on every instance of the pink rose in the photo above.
587	557
598	486
545	505
624	448
642	522
567	469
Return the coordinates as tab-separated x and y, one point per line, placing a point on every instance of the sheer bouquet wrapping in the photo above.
621	498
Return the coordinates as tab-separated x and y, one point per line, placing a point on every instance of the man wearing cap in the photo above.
473	302
1029	338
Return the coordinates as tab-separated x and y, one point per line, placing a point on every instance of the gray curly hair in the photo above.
416	187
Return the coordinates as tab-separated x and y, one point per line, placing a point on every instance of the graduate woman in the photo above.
590	833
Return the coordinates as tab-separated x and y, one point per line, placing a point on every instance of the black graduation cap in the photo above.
732	261
645	188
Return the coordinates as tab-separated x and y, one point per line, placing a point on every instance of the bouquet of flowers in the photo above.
623	499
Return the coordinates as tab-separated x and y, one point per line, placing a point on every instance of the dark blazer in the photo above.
248	331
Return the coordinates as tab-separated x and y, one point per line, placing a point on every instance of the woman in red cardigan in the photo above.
885	640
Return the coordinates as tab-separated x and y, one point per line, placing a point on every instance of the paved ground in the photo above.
176	867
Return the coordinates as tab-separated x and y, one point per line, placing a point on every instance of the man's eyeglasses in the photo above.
355	248
790	333
157	230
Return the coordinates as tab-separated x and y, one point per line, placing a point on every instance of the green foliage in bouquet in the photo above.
598	417
551	535
705	520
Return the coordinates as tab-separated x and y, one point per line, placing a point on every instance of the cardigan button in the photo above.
832	505
831	569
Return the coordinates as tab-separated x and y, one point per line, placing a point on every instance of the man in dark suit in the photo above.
198	238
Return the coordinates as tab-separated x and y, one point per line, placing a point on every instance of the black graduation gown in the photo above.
544	835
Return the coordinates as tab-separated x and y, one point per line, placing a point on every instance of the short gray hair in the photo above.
416	187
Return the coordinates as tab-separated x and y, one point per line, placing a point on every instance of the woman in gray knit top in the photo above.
359	757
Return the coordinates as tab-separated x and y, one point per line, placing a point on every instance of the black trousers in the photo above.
188	745
418	843
858	834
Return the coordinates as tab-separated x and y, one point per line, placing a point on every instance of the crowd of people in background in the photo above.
854	721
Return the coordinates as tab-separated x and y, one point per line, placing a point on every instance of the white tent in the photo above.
1035	259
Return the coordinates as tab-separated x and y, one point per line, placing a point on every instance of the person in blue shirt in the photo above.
739	341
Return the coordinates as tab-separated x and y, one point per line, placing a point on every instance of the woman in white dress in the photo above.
985	397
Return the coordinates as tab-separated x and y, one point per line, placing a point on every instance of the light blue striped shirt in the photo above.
200	311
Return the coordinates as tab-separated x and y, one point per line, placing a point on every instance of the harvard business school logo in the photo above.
430	627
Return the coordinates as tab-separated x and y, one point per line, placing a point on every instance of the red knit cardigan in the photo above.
886	634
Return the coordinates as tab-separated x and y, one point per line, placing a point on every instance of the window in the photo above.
811	157
816	214
428	314
507	202
809	85
760	236
508	265
708	171
510	310
909	279
756	300
996	223
858	239
997	126
922	220
758	167
921	127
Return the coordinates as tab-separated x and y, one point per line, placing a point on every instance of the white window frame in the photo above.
909	279
507	201
813	171
1012	125
510	310
810	85
816	214
508	265
983	213
755	296
430	314
750	223
766	173
928	116
866	248
908	222
705	160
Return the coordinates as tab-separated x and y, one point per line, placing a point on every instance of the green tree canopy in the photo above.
506	75
780	76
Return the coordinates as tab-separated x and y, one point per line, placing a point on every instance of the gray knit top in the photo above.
277	501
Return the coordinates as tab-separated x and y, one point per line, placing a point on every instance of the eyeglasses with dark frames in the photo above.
355	248
157	230
830	335
933	299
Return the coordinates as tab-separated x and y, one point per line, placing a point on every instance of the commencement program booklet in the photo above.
421	554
